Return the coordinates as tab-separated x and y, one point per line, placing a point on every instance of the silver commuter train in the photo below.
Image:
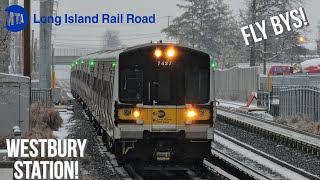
153	102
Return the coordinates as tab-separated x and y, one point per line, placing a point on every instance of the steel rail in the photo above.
270	122
232	163
300	141
267	156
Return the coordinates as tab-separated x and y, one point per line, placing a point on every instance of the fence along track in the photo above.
42	96
300	100
289	136
270	158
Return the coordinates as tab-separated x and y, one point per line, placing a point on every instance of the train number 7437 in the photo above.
164	63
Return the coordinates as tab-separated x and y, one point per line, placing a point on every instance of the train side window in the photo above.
99	86
88	80
105	92
94	84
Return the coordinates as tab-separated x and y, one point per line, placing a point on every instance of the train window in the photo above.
106	92
164	87
131	85
99	86
94	85
197	84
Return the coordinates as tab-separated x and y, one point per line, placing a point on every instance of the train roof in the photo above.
107	54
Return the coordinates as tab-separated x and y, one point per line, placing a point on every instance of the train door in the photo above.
164	107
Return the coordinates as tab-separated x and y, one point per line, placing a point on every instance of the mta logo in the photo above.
17	18
161	114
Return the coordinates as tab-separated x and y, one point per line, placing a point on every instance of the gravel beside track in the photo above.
97	164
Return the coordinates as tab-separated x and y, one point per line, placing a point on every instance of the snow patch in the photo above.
70	95
63	131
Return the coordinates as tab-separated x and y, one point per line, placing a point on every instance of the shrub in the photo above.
301	122
43	117
64	101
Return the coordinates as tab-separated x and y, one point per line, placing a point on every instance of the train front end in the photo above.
165	110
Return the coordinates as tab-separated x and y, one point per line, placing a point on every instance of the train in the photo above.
151	103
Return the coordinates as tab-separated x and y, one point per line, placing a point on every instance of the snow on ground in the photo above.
259	159
63	131
236	105
62	71
262	114
70	95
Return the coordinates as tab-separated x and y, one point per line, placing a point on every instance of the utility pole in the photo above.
53	71
35	54
32	50
253	10
5	39
16	49
168	20
21	59
46	9
26	62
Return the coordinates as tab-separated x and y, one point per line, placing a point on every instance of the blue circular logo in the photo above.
17	18
161	114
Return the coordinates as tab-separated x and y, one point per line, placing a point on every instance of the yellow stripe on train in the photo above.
160	116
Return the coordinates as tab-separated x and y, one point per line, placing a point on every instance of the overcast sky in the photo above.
88	36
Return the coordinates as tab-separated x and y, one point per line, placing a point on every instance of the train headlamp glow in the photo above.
158	53
170	53
136	113
191	114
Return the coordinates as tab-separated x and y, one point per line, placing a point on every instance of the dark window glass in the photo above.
131	85
164	87
105	89
99	86
94	85
197	85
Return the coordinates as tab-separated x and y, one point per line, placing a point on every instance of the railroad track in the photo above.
154	172
232	168
302	140
162	172
228	168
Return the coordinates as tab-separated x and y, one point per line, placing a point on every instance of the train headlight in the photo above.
136	113
158	53
191	114
170	53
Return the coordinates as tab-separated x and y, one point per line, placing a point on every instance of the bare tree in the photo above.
275	47
111	39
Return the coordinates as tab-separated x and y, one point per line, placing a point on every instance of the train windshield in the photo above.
197	85
131	86
151	81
